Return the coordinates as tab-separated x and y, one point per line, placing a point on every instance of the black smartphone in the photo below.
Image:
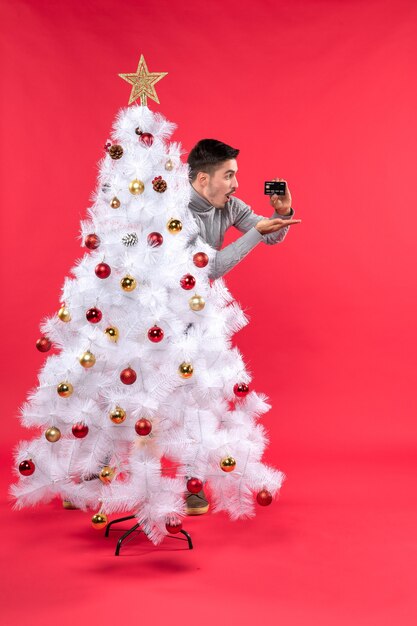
277	187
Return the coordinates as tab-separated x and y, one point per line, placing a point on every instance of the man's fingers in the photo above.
277	224
278	220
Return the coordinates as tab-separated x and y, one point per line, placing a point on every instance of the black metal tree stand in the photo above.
137	527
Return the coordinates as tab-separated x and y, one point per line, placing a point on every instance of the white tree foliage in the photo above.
196	422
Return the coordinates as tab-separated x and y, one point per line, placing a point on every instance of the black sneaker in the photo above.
196	503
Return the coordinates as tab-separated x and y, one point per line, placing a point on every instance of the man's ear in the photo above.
202	178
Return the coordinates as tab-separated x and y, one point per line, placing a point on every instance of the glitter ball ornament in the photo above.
115	203
136	187
228	464
264	497
80	430
103	270
173	527
115	151
112	333
107	474
27	467
174	226
185	370
155	239
155	334
53	434
197	303
94	315
65	390
87	359
128	283
194	485
128	376
63	314
43	344
92	241
159	184
187	282
200	259
99	520
131	239
241	389
146	139
118	415
169	165
143	427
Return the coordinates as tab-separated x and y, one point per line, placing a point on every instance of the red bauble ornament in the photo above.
27	467
155	334
200	259
92	241
143	427
155	239
187	281
241	389
194	485
128	376
80	430
94	315
146	138
173	527
43	344
103	270
264	497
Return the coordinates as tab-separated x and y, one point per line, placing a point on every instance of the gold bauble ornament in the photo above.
228	464
99	520
174	226
118	415
197	303
65	390
87	359
112	333
107	474
53	434
63	314
128	283
185	370
136	187
169	165
115	203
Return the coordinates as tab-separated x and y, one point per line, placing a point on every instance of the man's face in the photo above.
217	188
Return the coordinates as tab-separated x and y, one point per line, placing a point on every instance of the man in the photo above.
213	170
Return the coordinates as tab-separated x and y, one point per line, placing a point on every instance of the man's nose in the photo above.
235	183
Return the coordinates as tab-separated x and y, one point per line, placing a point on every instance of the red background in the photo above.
323	94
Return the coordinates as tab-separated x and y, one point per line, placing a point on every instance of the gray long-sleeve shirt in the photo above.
213	223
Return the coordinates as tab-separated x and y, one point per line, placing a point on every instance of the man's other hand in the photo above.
267	226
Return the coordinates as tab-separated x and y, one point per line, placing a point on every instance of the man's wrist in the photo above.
287	215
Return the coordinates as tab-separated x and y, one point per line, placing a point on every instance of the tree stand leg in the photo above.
137	526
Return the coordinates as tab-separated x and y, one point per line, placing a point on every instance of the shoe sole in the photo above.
69	505
198	510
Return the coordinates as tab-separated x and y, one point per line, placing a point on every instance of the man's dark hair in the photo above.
207	155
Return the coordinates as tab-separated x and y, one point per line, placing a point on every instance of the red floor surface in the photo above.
339	547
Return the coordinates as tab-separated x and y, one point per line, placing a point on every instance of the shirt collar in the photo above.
199	204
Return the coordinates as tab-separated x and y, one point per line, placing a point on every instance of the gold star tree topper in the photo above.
143	83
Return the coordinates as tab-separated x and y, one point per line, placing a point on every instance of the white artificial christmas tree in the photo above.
144	391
